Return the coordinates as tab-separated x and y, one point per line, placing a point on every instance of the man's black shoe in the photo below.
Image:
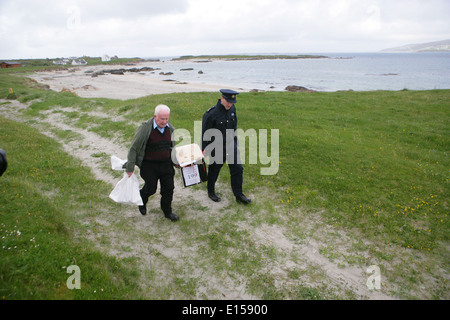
213	196
143	210
243	199
172	216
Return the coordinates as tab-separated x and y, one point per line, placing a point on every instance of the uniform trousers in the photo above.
236	174
151	172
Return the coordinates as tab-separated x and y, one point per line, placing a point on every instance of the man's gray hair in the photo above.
160	108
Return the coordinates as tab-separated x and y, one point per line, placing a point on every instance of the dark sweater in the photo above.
158	146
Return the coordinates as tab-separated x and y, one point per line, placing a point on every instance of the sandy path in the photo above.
168	240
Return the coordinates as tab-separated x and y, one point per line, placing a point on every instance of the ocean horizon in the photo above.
337	72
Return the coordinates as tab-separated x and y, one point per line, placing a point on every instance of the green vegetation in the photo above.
41	195
366	168
377	161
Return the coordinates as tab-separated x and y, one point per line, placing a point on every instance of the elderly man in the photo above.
222	117
151	152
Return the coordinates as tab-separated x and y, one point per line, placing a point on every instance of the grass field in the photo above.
373	166
41	195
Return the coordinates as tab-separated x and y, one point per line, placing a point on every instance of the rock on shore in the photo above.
298	89
122	71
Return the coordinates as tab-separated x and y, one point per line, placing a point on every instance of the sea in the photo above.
339	71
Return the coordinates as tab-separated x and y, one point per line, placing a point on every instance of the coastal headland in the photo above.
206	58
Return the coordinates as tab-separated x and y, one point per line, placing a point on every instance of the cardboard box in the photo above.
188	154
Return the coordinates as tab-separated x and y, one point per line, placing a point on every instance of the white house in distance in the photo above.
66	61
61	62
79	62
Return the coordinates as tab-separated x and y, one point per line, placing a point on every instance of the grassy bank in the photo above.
372	165
42	195
377	161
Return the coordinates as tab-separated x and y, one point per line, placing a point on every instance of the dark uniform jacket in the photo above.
222	119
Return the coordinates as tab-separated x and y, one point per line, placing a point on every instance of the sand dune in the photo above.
130	85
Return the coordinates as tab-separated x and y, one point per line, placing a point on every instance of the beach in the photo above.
129	85
356	72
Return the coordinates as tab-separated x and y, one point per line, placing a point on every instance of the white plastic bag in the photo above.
117	163
126	191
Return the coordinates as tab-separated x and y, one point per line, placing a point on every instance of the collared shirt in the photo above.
159	128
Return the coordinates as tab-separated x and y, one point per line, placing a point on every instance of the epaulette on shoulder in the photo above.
210	109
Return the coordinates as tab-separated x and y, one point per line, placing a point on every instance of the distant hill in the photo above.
437	46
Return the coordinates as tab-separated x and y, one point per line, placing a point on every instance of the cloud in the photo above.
49	28
61	28
130	9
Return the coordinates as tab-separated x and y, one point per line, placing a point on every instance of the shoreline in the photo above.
151	77
129	85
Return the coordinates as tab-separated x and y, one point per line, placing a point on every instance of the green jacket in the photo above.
137	150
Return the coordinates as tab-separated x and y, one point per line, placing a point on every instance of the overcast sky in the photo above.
158	28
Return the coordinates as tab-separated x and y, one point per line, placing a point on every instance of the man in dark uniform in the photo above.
222	117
